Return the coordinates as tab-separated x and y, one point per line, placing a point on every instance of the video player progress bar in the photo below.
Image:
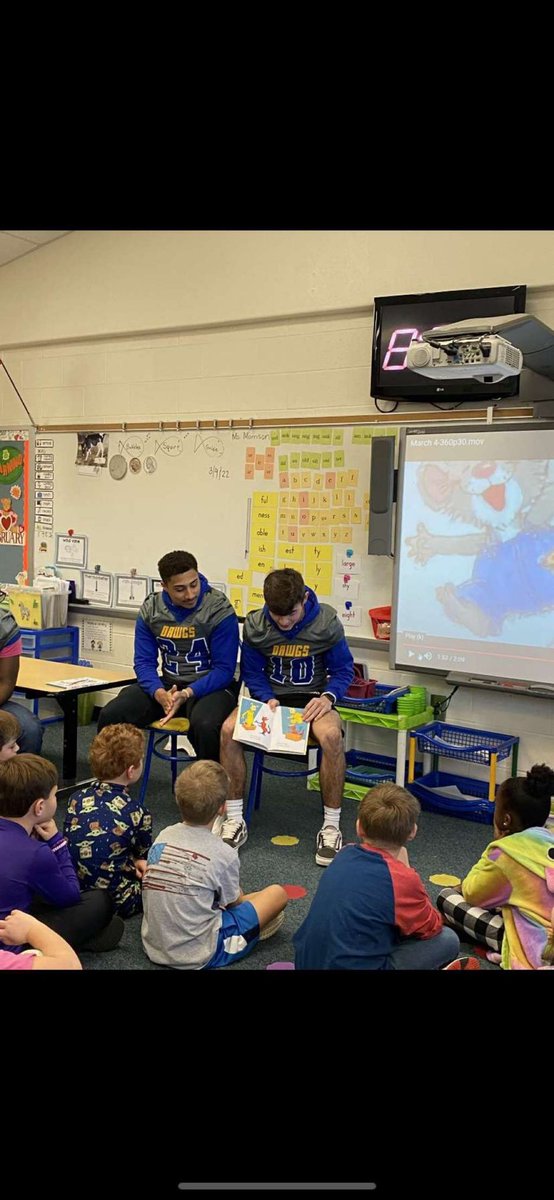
278	1187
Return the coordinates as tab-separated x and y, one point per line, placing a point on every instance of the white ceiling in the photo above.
15	242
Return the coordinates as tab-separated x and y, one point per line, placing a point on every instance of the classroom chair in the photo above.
159	733
259	769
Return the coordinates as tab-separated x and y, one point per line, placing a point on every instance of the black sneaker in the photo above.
328	843
234	832
108	938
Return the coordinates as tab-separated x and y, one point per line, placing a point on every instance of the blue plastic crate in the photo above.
383	701
456	741
477	808
363	767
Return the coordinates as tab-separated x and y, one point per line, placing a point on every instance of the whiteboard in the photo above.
242	501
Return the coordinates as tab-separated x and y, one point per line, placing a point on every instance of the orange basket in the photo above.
380	619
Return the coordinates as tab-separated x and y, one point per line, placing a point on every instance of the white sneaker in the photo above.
272	926
234	832
218	825
182	744
328	843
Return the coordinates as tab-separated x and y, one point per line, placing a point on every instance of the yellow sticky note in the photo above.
295	436
255	598
326	437
305	459
338	437
305	436
237	600
319	554
285	435
262	547
238	575
294	460
319	577
275	437
315	461
356	516
283	462
265	565
326	460
265	499
338	458
290	552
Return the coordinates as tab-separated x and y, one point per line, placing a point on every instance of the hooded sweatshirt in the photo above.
198	645
313	656
516	874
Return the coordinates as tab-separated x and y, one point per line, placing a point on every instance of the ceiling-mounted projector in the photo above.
487	358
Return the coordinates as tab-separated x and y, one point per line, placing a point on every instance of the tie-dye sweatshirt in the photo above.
516	874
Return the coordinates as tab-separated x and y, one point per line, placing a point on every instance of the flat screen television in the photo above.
474	558
399	320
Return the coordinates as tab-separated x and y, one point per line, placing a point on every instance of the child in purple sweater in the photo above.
36	871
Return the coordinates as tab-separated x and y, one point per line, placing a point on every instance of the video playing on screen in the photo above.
474	568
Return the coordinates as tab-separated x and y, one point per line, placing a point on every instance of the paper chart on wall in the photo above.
306	505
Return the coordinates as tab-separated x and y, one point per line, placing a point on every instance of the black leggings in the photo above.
78	923
206	716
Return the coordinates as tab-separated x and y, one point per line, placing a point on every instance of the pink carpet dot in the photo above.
294	892
280	966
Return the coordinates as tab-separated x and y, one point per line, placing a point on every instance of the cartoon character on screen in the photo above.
511	506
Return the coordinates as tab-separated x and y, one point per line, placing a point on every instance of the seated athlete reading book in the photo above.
294	652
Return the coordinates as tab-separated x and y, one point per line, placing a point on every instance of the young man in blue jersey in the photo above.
195	629
294	652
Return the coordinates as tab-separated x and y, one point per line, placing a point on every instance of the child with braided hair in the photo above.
505	902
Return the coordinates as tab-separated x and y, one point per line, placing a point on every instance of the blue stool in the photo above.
159	733
259	770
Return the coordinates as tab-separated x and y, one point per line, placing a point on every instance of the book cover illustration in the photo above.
281	731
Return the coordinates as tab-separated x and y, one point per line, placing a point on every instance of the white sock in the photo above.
331	816
234	809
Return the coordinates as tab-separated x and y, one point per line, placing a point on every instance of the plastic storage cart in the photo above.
363	769
58	645
452	794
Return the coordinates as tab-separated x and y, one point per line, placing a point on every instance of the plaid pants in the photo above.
482	925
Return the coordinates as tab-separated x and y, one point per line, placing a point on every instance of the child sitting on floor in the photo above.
9	733
371	911
48	951
36	871
108	833
515	875
195	914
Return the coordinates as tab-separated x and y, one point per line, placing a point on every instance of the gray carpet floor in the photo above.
443	845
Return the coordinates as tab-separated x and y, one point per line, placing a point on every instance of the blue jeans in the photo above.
426	954
30	738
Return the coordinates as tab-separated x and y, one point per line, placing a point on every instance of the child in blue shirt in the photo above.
109	833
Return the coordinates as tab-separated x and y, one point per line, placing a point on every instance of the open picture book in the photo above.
278	732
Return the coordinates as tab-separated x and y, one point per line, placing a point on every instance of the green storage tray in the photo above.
384	720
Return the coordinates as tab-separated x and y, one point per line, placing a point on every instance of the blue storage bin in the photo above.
365	768
383	701
428	791
457	741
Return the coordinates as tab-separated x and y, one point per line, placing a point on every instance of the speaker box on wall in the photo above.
381	496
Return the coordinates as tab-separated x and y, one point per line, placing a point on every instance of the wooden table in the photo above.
35	680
